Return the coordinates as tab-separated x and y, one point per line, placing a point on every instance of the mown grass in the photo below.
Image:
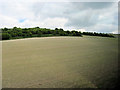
61	62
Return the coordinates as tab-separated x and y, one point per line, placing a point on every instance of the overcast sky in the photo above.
84	16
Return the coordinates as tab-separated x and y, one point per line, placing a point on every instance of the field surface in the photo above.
60	62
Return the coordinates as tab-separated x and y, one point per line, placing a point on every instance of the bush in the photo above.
5	36
0	36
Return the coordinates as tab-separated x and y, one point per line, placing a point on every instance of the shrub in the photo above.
5	36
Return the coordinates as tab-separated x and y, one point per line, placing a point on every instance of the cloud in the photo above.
86	16
80	15
55	22
95	5
104	28
93	17
6	21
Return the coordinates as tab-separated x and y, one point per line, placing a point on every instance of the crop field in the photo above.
60	62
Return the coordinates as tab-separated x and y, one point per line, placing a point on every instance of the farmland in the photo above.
60	62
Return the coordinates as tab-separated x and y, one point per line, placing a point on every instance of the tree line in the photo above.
16	33
98	34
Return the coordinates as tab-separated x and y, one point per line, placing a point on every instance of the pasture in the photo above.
60	62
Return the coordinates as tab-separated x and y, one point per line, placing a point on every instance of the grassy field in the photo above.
60	62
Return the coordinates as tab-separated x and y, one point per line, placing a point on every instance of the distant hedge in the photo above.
98	34
16	33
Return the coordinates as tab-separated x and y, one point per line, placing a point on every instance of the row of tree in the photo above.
15	33
98	34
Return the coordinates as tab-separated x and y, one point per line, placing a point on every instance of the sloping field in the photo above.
60	62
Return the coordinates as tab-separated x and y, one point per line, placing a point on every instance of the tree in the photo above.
5	29
6	36
14	28
74	34
0	36
39	34
61	29
56	28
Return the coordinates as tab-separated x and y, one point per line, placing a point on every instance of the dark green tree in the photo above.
6	36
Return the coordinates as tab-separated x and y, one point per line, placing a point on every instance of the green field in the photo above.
60	62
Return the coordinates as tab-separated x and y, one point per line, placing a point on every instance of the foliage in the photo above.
98	34
15	33
5	36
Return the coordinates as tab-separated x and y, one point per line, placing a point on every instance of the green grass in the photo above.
61	62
